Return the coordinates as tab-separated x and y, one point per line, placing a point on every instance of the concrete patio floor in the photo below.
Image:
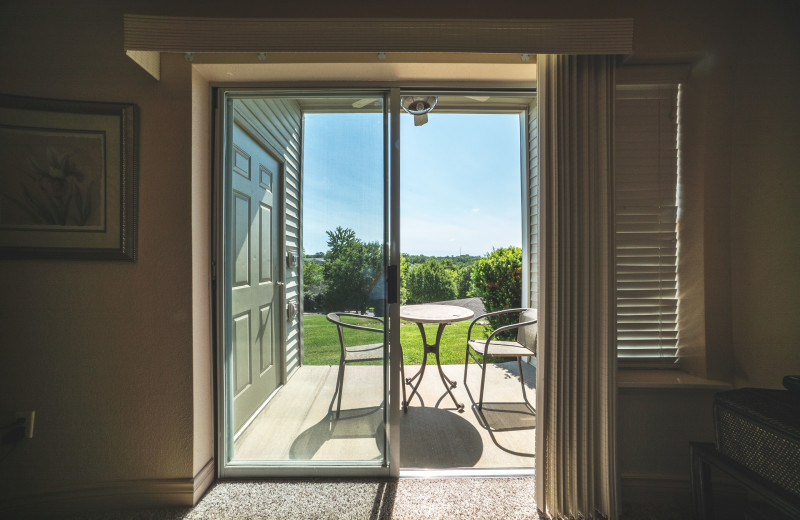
301	423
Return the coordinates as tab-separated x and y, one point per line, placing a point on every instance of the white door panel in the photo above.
254	293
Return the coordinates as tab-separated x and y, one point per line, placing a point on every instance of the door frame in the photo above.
223	121
391	92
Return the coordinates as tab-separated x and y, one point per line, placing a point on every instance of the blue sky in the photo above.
460	181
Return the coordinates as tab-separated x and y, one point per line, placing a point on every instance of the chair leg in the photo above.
522	379
339	388
483	381
403	380
466	365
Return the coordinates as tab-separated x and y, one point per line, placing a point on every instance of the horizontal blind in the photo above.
646	181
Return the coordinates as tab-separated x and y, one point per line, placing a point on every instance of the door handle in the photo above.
280	284
393	277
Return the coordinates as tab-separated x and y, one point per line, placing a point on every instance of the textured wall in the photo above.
765	201
202	355
101	350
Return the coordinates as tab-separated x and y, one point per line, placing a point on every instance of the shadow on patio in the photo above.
300	422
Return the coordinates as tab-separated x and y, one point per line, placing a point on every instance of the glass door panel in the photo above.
303	306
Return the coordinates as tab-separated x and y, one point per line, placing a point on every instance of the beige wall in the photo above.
202	359
765	202
101	350
114	357
654	428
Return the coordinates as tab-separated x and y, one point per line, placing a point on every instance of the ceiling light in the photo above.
418	106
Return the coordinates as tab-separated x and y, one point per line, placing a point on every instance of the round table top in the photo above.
432	313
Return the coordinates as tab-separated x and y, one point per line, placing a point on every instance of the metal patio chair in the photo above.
355	351
525	345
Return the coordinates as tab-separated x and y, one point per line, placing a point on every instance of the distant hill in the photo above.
460	260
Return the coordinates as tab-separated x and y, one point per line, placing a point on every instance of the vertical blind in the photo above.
646	199
576	474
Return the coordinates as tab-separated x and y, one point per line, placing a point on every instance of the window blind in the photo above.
646	198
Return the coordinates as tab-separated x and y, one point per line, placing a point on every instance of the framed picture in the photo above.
68	179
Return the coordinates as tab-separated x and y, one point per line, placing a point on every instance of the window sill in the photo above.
667	380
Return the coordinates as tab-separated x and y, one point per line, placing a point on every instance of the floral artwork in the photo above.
51	179
68	179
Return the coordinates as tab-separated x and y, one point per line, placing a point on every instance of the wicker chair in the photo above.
527	332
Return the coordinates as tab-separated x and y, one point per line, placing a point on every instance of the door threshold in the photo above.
252	418
468	473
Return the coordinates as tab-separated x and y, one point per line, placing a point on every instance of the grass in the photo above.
322	341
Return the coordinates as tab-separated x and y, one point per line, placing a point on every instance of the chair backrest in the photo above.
528	335
360	328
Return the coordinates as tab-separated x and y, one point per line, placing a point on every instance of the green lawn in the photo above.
322	341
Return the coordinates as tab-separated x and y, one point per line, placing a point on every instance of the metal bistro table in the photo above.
443	315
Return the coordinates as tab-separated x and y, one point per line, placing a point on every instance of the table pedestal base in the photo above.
431	349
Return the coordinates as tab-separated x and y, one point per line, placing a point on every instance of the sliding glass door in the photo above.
308	223
302	286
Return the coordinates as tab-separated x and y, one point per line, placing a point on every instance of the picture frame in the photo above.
68	179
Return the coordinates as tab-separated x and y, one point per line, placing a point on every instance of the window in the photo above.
646	197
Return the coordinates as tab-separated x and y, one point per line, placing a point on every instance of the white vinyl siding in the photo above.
532	250
646	179
278	122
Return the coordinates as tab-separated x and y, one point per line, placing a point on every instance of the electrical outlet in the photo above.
27	422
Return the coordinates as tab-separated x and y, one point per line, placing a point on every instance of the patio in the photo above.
300	421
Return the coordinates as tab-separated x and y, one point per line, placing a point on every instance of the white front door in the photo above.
256	304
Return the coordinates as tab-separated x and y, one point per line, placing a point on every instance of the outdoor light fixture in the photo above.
418	106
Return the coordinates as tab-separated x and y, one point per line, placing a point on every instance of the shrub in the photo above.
403	279
312	302
313	285
464	283
431	282
497	280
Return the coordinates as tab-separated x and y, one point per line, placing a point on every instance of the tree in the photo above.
339	239
497	280
313	284
350	272
431	282
403	278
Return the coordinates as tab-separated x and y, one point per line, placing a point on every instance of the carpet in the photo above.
451	499
371	499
